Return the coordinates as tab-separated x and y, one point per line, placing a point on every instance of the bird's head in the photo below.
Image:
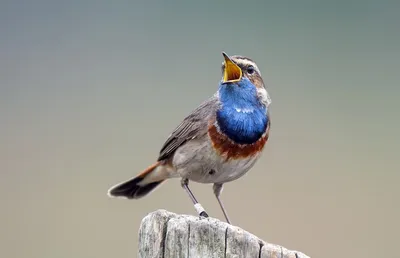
244	73
234	68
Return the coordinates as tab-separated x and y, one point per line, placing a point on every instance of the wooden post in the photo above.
164	234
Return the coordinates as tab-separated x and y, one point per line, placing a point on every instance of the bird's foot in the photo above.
203	214
201	211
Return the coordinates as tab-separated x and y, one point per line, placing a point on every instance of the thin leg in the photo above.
200	210
217	191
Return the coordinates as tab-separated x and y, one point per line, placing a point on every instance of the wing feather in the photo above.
193	126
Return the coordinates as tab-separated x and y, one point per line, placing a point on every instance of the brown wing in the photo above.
193	126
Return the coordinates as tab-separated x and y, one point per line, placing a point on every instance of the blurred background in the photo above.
89	91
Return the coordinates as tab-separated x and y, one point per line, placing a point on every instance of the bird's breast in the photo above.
244	124
229	149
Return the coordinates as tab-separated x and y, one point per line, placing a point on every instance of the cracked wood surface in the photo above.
164	234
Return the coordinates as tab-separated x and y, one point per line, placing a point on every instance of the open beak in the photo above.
232	72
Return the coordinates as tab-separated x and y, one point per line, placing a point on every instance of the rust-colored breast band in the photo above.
231	150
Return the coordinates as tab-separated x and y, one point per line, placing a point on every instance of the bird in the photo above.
218	142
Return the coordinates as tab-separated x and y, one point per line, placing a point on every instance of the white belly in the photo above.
233	169
198	162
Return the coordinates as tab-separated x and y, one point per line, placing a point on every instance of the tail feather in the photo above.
141	185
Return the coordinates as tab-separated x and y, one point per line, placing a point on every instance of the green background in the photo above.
89	91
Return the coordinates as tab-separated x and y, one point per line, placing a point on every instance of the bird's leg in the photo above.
217	191
200	210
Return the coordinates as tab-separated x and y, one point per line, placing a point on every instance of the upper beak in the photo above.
232	72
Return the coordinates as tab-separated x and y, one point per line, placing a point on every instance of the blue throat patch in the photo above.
242	117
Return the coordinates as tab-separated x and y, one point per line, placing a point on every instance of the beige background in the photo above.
89	91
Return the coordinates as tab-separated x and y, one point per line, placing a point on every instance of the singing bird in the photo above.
216	143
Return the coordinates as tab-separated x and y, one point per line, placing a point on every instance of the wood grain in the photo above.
164	234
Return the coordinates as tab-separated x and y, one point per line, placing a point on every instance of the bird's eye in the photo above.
250	69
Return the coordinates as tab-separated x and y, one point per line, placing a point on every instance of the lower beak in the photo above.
232	72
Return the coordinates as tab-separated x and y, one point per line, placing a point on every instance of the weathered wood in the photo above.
164	234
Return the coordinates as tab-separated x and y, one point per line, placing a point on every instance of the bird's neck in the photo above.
242	116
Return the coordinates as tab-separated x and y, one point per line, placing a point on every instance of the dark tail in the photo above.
141	185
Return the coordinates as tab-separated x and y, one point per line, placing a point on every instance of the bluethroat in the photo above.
216	143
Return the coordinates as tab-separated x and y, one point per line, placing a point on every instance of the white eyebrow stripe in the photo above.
246	62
